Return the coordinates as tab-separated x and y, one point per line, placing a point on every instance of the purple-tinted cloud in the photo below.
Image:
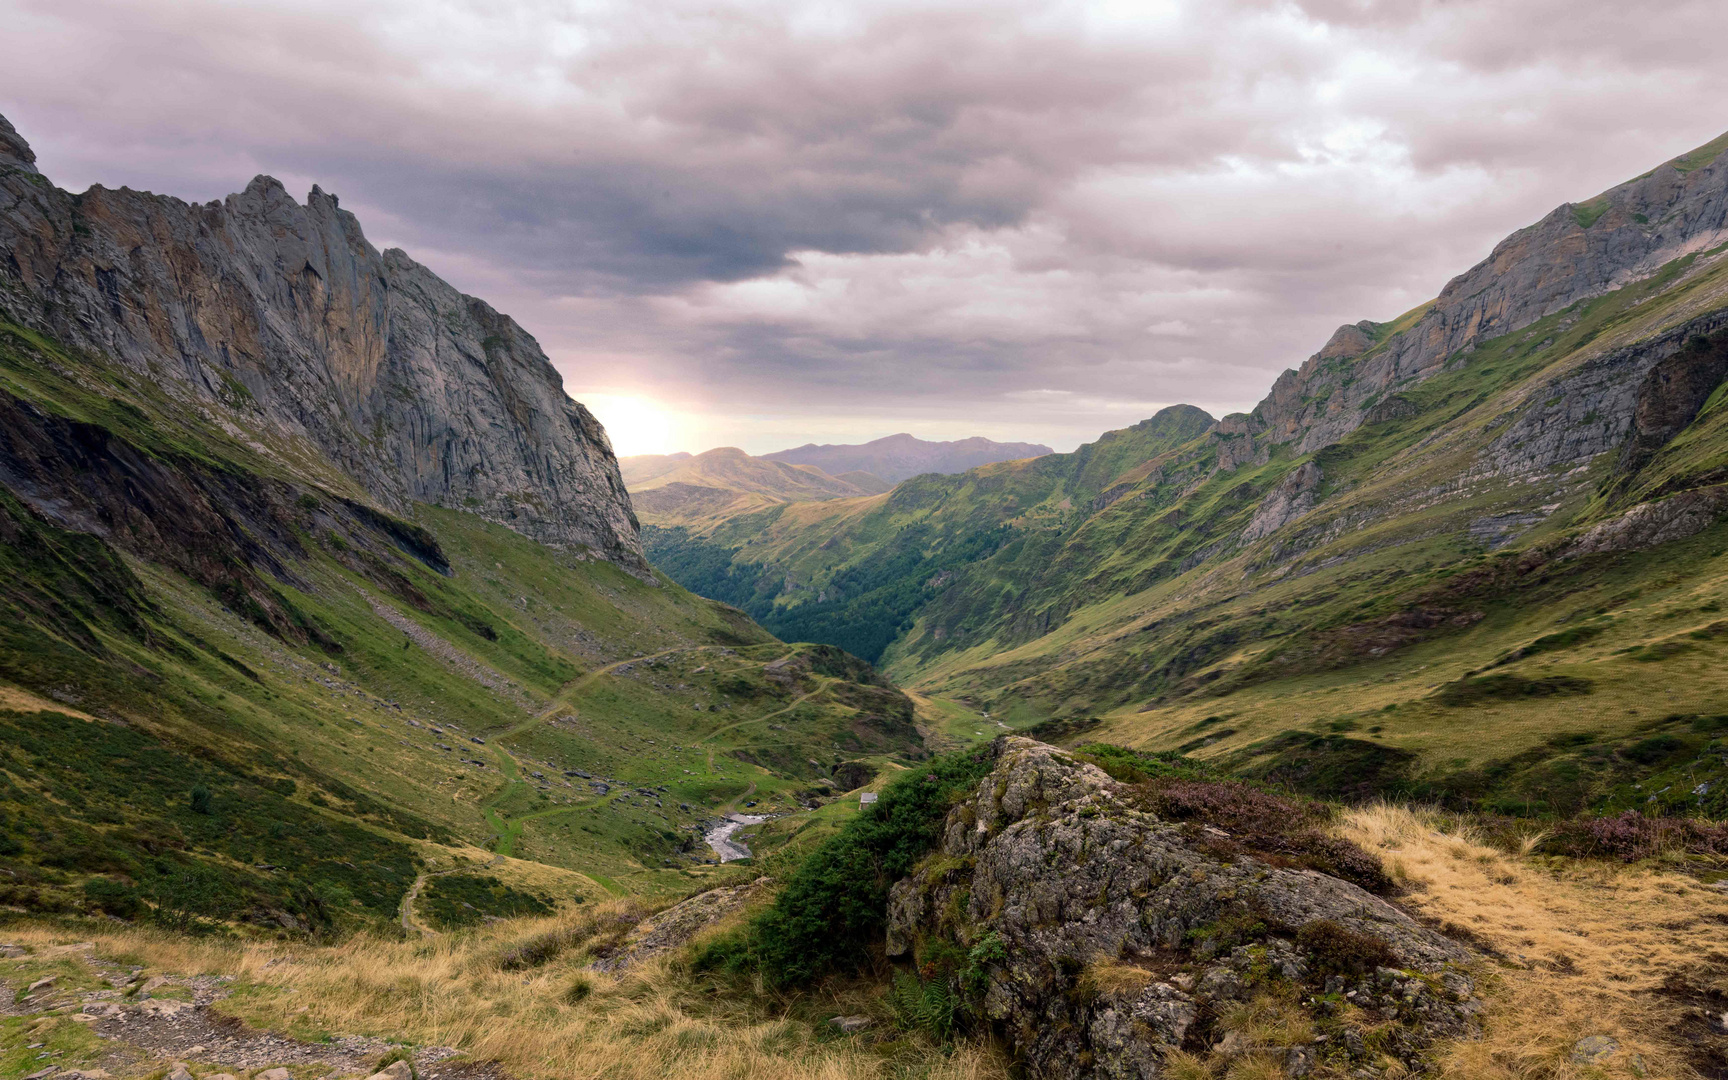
793	221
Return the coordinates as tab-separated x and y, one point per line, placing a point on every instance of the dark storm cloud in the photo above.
1020	211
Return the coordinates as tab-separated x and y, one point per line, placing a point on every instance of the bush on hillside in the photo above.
1335	949
1233	816
1632	836
116	898
1474	691
832	914
465	899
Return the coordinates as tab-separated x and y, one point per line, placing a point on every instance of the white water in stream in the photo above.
719	837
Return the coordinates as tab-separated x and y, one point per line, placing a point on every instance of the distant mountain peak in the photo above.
902	456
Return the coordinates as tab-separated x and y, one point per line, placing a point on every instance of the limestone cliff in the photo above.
1578	251
280	320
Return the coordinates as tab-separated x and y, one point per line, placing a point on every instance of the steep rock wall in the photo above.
1578	251
283	315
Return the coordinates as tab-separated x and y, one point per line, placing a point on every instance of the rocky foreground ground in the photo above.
1113	939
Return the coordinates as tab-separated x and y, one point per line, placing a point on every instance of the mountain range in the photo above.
324	610
685	488
1468	552
901	457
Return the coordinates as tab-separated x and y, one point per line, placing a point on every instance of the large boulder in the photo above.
1101	938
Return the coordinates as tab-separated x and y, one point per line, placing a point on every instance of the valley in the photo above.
363	716
1462	555
203	581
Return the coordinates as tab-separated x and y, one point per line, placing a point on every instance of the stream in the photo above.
719	836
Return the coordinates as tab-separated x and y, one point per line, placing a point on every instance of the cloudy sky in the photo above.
761	224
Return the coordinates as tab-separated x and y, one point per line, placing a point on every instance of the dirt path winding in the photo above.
509	829
413	894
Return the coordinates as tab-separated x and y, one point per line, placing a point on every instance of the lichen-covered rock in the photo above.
1108	937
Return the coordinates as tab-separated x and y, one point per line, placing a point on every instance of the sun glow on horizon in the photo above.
635	424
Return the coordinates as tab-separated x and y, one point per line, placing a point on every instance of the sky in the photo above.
764	224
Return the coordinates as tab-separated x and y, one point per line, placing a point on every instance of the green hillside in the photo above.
1491	577
264	699
857	573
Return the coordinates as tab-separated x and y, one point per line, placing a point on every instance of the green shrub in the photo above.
578	990
832	914
1468	691
534	951
186	898
116	898
1655	749
464	899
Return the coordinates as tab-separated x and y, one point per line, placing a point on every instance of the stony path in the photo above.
153	1027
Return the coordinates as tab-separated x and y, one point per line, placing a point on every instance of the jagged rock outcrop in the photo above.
14	151
281	320
677	925
1288	500
1578	251
1650	524
1675	388
1112	937
1635	398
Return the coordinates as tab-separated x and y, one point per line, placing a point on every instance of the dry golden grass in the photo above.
1114	979
11	697
1181	1065
1255	1067
1587	946
1270	1020
559	1019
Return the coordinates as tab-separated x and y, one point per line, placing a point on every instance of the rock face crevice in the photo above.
1052	862
282	318
1634	398
1289	499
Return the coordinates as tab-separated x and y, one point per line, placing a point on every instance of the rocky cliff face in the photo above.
1578	251
1115	938
281	320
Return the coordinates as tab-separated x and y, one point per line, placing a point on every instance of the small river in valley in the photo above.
719	836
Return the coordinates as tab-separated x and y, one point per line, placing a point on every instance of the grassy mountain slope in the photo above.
856	572
243	691
1483	571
